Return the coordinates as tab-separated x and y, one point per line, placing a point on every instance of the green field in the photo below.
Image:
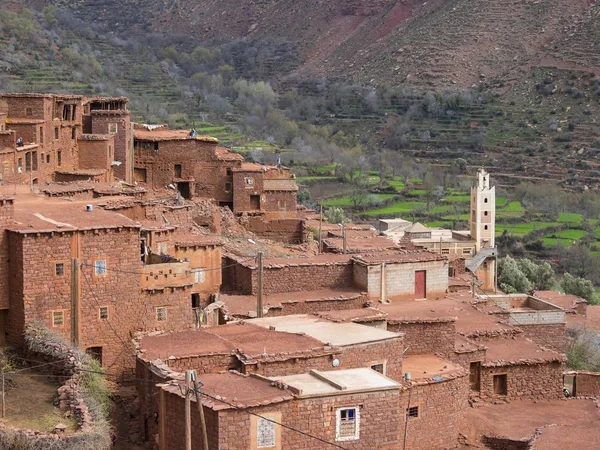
396	208
347	200
570	217
521	229
458	198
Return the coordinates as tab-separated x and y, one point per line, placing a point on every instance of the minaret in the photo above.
483	212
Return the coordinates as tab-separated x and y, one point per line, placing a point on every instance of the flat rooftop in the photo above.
517	350
560	424
236	391
429	366
469	321
590	320
369	314
566	301
333	382
249	339
35	213
243	305
325	331
170	135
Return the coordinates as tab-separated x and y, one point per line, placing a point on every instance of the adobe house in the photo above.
247	412
269	191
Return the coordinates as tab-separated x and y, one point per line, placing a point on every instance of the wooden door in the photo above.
420	284
475	376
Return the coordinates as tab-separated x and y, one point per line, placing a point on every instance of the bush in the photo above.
335	215
582	350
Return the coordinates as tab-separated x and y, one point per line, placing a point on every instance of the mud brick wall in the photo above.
203	257
95	154
466	358
279	203
587	384
427	337
242	190
288	231
442	409
304	278
458	264
122	140
8	139
388	352
236	278
313	306
279	367
7	209
525	381
69	177
204	363
552	336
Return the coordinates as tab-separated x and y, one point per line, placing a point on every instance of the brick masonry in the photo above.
552	336
427	337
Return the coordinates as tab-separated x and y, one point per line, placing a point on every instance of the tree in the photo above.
335	215
578	286
541	276
510	277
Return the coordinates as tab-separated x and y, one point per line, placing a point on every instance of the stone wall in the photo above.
288	231
7	209
587	384
96	153
100	121
535	381
427	337
442	409
341	303
552	336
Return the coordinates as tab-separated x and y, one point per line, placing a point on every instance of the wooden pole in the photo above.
200	411
259	294
344	236
320	231
75	292
188	412
3	400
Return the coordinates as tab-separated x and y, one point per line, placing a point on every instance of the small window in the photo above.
73	133
155	147
20	163
55	132
42	158
228	171
412	412
250	181
47	159
58	318
347	426
500	384
28	112
466	251
100	267
485	200
112	128
59	269
103	312
41	135
485	227
445	251
228	187
379	367
59	158
265	433
161	313
282	204
178	170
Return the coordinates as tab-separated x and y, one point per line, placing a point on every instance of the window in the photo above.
59	269
228	187
55	132
485	227
100	267
485	200
59	158
500	384
34	160
27	161
103	313
466	251
161	313
250	181
42	135
265	433
445	251
155	147
58	318
282	204
347	424
379	367
73	133
228	171
485	213
199	276
178	170
20	163
47	159
42	158
412	412
112	128
28	112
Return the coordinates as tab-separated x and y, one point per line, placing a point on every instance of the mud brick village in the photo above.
222	315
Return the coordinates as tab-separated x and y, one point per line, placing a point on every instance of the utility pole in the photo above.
320	231
200	411
3	402
188	411
75	300
259	294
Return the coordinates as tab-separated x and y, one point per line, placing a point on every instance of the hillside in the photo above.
432	43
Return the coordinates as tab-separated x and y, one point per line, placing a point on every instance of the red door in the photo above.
420	283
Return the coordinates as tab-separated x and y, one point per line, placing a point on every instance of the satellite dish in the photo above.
335	362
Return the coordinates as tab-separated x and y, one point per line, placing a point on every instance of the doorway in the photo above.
184	189
475	376
96	353
255	202
178	170
420	284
